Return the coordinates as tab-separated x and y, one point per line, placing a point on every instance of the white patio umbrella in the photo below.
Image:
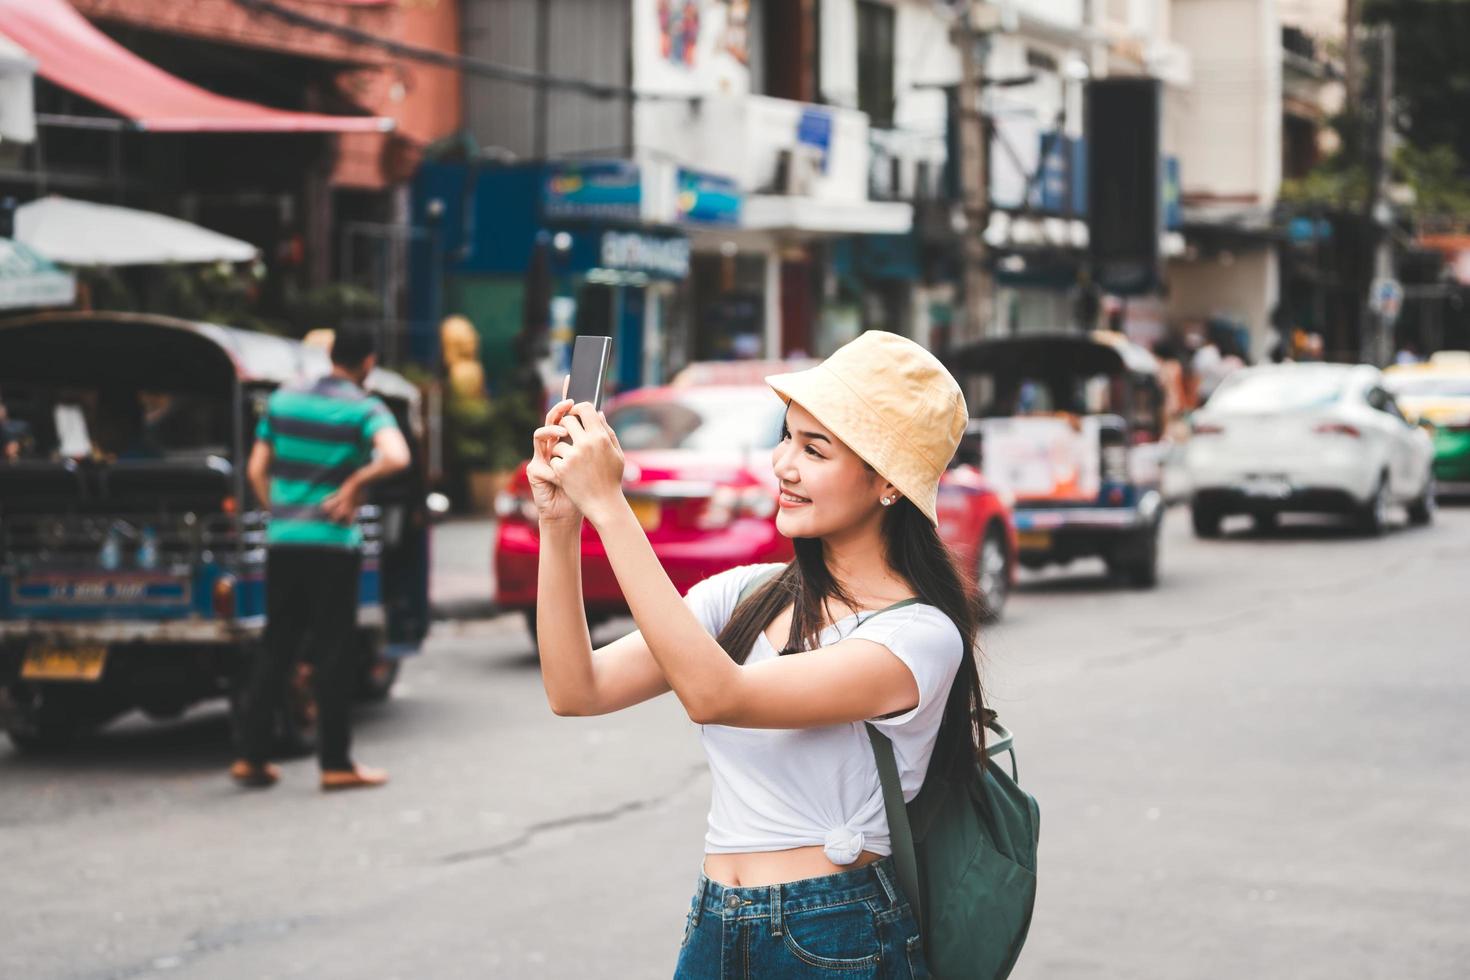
83	233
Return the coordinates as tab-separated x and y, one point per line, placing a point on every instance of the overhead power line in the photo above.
465	63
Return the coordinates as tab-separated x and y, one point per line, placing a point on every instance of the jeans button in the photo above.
732	901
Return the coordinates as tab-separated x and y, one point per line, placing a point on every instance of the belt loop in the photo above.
699	891
885	879
776	924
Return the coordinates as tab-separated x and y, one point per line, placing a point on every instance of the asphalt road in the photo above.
1259	769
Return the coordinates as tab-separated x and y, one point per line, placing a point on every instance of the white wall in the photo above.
1228	121
742	138
1242	285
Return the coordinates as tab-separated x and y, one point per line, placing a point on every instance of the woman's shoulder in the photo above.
916	625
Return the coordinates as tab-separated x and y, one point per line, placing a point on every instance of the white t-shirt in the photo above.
776	789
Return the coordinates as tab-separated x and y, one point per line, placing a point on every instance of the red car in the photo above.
698	475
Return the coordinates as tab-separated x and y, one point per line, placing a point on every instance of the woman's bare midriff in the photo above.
757	868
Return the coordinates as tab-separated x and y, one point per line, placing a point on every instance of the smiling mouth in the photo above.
793	498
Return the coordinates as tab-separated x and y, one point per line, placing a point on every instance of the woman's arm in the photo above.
579	681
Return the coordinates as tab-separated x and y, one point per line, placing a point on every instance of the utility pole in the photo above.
972	35
1375	340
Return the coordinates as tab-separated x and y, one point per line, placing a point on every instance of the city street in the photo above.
1259	769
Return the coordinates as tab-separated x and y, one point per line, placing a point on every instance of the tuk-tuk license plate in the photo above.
1033	540
64	663
648	512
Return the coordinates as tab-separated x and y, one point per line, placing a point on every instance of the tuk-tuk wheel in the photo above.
34	728
1141	569
376	681
294	728
1206	521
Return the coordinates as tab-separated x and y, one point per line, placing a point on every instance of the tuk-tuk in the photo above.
1070	424
132	560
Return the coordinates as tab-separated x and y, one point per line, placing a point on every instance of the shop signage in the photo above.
632	251
598	189
814	129
707	199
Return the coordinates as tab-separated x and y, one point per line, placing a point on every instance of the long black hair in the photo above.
915	551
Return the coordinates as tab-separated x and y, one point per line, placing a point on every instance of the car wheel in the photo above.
1206	521
1373	519
1266	522
993	573
1421	511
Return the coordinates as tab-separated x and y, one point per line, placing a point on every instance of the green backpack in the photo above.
965	851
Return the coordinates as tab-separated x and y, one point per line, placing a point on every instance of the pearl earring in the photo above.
886	501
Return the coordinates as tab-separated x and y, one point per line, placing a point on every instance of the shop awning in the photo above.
76	56
83	233
29	279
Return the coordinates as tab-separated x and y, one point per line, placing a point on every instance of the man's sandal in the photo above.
254	775
358	777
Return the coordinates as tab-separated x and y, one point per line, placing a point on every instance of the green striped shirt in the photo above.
320	433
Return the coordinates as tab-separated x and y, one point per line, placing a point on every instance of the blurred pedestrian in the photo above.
782	665
317	447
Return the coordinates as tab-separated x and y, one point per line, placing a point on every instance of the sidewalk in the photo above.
462	580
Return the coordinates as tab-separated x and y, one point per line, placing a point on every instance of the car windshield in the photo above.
1278	391
701	420
1430	386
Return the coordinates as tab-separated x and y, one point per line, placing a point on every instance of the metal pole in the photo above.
974	46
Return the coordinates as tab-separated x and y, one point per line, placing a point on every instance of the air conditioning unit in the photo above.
797	169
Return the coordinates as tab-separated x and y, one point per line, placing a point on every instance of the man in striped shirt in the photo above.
316	447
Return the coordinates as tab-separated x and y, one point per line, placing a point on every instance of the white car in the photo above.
1327	438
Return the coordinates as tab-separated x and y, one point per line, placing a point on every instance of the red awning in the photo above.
73	54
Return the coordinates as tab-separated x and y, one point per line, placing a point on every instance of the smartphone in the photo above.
589	366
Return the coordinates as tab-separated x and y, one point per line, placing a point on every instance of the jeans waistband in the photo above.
876	881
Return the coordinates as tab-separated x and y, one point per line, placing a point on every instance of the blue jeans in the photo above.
854	924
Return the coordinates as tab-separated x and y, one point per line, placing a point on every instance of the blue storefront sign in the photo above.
708	199
604	190
1173	214
814	128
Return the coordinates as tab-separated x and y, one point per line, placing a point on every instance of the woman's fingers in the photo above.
558	410
573	424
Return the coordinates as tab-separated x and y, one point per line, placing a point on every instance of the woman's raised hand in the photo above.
552	503
590	468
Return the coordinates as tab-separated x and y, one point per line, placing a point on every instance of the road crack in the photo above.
532	831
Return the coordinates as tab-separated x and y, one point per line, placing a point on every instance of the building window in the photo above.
875	61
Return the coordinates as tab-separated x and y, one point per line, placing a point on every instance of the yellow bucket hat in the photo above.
891	402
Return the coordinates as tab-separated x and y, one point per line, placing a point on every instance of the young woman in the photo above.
797	879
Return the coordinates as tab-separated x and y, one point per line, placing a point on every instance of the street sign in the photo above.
1386	298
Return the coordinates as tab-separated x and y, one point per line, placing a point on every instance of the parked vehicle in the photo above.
1326	438
1069	424
132	567
698	476
1436	395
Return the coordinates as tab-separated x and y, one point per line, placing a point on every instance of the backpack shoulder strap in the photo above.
900	833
